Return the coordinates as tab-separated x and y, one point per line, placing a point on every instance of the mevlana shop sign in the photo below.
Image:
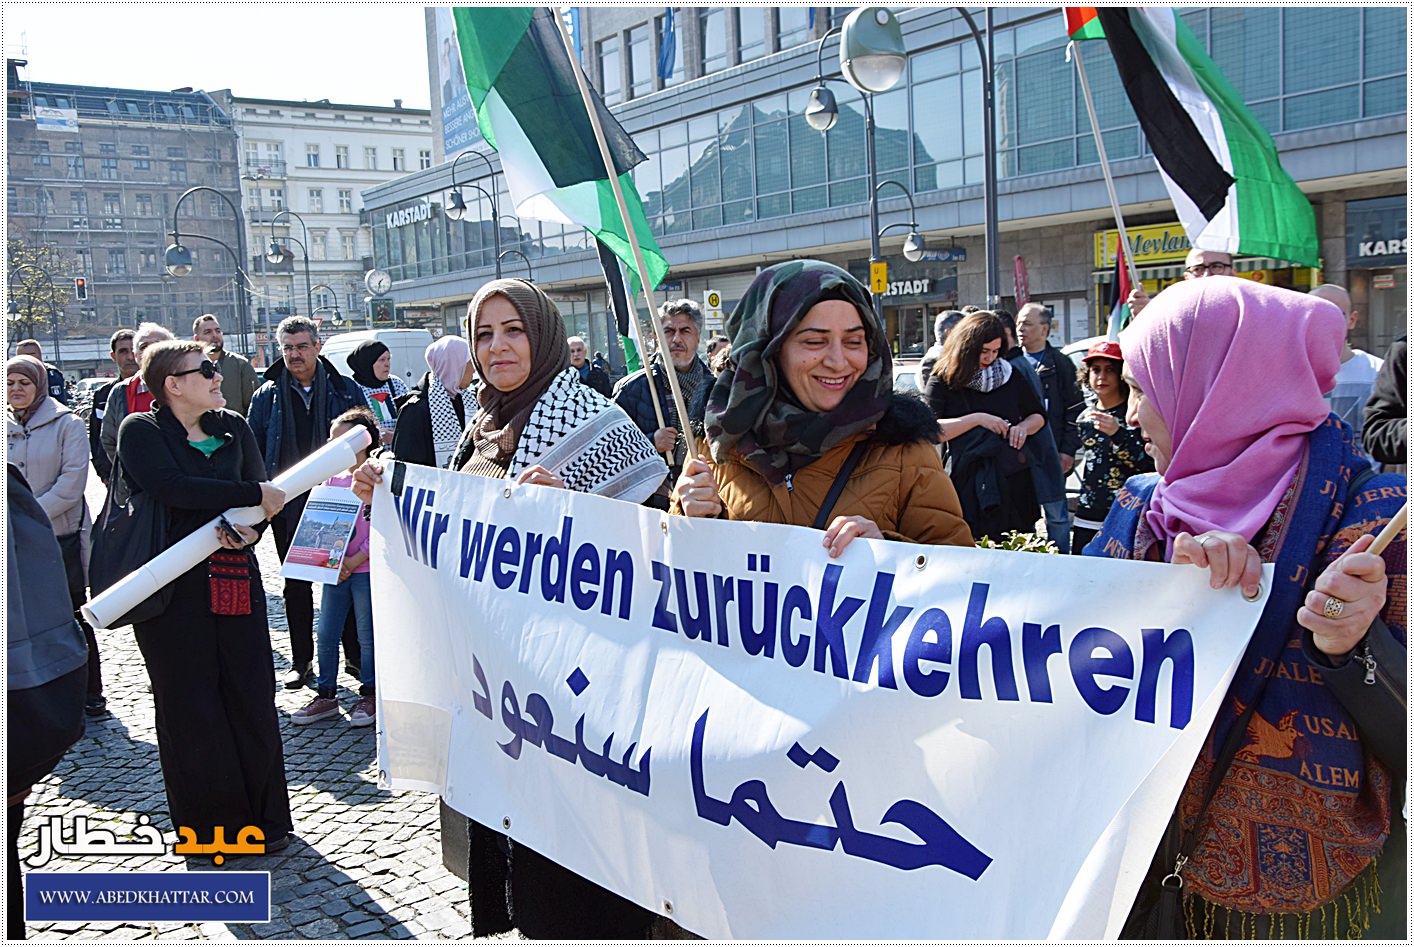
722	724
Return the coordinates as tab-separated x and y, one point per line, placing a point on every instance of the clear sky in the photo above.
353	53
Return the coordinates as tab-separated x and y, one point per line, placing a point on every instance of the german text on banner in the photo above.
719	722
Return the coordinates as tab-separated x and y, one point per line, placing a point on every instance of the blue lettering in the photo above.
555	564
663	616
993	633
698	625
1086	665
1178	649
829	627
584	570
1037	647
876	646
617	564
476	549
507	552
533	542
794	650
932	624
723	591
762	641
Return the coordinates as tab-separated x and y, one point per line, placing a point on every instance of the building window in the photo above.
46	202
213	205
322	300
112	205
424	159
107	148
144	205
792	26
213	154
41	161
346	244
117	263
108	168
319	245
640	61
142	164
311	156
399	159
147	261
750	33
370	159
75	165
341	156
713	26
610	78
73	148
276	197
78	203
316	200
176	152
141	151
178	171
345	201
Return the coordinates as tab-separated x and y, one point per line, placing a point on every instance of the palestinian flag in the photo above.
1119	294
1219	164
1083	23
529	109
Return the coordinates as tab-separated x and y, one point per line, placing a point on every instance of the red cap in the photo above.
1105	349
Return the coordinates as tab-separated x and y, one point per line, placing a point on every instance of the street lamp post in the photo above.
275	257
178	259
872	59
456	204
334	308
53	310
524	258
277	254
989	154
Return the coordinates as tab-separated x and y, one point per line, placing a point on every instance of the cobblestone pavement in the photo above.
365	862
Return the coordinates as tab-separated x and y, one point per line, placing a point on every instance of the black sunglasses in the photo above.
207	369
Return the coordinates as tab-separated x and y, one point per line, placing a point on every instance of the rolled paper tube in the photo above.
145	581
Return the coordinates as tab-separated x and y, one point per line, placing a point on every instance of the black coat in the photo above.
1063	400
1386	433
102	463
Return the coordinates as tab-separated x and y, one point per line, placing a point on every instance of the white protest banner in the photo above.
722	724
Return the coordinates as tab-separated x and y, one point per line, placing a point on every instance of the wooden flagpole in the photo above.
1074	49
678	402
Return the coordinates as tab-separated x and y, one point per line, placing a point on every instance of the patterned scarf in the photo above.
447	427
1304	807
503	415
587	440
992	377
751	412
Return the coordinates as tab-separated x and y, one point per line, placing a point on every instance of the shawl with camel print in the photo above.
1305	806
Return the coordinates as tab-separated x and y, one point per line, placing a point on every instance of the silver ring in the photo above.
1202	541
1334	607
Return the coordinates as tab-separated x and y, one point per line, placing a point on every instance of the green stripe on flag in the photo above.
1275	218
486	48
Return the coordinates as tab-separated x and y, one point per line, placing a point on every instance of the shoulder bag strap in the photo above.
822	518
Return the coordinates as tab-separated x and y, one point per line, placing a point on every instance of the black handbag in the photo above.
126	535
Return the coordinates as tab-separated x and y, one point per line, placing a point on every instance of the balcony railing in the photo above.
263	169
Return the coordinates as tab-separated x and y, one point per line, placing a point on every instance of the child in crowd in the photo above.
352	591
1114	450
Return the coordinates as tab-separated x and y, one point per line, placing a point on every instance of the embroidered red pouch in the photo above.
230	582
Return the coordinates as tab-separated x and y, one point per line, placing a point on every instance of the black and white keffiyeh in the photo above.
447	428
992	377
585	439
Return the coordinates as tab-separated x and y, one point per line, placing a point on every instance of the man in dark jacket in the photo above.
290	416
682	326
1063	400
1386	433
589	373
120	350
58	384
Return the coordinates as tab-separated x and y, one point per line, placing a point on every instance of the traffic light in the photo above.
80	287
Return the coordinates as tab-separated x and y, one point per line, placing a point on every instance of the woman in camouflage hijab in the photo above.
751	410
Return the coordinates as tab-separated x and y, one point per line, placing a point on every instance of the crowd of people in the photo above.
793	417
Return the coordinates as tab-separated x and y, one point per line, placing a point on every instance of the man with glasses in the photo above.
1198	264
290	416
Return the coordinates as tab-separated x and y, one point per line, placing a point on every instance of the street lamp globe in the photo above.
821	112
177	260
276	253
456	205
872	56
914	247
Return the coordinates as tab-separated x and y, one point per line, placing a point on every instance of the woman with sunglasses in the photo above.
208	654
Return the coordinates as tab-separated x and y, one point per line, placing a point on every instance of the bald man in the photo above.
1356	378
1198	264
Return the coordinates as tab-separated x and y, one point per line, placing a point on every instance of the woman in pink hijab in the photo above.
435	412
1226	382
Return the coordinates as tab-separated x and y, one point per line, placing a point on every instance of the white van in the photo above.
407	346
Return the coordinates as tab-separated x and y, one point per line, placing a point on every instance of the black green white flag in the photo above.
1219	164
529	109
